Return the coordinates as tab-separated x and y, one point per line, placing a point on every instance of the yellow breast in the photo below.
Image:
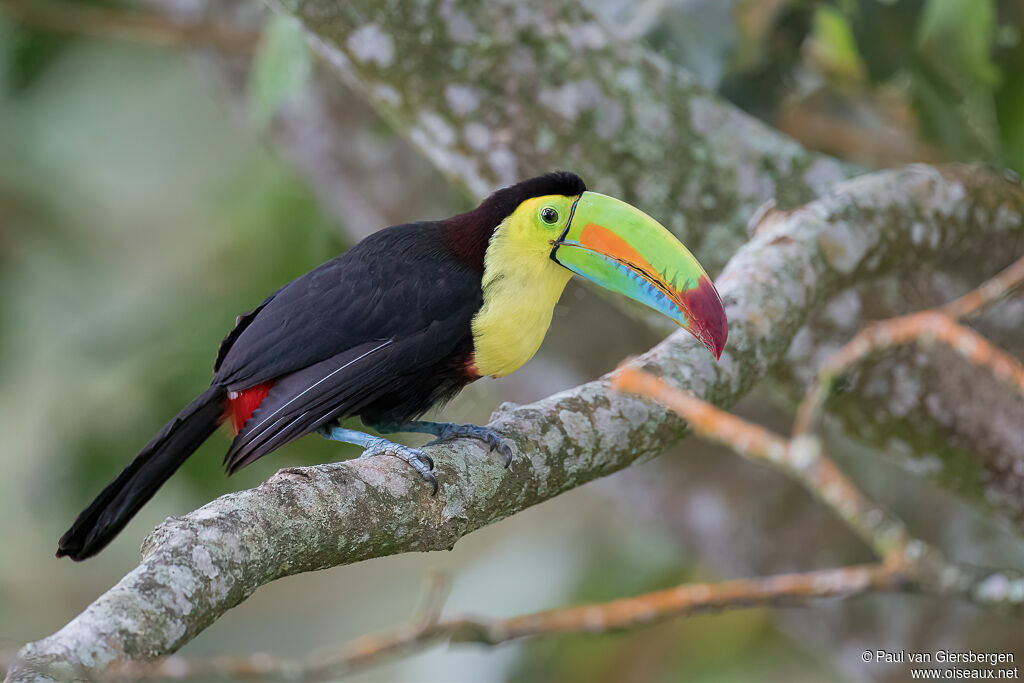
521	286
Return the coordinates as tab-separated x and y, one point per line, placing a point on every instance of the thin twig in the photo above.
991	291
683	600
785	590
141	27
800	459
439	586
938	325
918	328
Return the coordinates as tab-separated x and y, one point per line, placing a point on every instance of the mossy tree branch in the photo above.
494	92
196	567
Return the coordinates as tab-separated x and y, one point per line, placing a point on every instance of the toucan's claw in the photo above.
417	459
375	445
485	434
506	450
445	431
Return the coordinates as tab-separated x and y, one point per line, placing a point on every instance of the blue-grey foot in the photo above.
450	430
375	445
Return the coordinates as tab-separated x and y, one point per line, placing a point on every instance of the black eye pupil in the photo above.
549	215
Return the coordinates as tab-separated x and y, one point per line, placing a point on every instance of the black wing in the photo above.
391	285
343	384
241	322
389	316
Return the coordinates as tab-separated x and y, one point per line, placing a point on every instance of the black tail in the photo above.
117	504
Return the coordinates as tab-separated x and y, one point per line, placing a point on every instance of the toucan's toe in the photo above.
486	434
417	459
508	453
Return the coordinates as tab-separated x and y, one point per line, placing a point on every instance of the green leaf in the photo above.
961	33
280	69
834	38
1010	110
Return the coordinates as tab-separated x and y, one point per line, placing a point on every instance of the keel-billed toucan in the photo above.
402	322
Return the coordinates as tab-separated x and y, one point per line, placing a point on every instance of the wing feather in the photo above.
374	328
342	385
301	401
392	284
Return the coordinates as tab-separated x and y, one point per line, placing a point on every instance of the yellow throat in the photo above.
521	285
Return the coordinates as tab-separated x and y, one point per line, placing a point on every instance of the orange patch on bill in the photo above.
600	238
603	240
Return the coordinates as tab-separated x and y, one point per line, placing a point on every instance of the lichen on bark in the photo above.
494	92
923	406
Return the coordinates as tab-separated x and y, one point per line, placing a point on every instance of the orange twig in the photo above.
141	27
937	325
991	291
686	599
747	439
801	459
923	328
626	613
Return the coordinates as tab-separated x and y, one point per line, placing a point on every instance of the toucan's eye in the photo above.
549	215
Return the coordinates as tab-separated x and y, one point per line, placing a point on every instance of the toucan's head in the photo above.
553	219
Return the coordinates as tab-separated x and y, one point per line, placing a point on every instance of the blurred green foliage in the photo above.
97	174
26	55
948	73
281	67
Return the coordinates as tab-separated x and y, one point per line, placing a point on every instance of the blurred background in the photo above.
145	202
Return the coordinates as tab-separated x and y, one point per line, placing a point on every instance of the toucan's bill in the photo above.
622	249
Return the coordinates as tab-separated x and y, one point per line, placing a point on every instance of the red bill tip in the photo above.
707	316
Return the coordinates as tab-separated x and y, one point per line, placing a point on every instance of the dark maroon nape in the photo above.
468	234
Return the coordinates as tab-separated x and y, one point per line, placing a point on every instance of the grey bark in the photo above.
196	567
494	92
925	408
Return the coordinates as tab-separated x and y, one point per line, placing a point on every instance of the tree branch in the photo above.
197	566
786	590
492	93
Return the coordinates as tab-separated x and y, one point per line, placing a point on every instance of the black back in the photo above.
390	285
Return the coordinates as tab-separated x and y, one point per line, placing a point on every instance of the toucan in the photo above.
405	319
